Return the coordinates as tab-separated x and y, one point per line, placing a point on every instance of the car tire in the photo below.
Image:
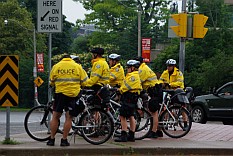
227	122
198	115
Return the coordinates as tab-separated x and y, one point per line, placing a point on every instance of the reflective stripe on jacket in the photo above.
67	76
176	80
147	76
131	83
117	75
99	72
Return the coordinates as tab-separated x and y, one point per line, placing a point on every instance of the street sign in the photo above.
146	49
171	33
40	62
49	16
9	84
38	81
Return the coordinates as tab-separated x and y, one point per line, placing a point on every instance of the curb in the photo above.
67	151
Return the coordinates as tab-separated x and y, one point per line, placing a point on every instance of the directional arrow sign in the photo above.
49	16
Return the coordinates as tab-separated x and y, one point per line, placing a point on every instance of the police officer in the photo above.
67	77
172	78
117	74
130	90
151	84
99	71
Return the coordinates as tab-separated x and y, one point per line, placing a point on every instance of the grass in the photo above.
15	109
10	142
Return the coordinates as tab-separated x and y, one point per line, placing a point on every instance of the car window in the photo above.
228	90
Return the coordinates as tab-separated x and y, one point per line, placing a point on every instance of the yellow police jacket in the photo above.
67	76
117	75
131	83
99	73
176	80
147	76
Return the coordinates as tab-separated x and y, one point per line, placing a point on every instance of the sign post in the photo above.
49	16
9	76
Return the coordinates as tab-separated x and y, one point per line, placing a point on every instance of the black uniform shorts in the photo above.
128	104
156	95
71	104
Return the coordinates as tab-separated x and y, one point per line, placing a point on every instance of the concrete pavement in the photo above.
203	139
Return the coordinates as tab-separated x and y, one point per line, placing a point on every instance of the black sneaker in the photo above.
51	142
152	135
64	142
159	133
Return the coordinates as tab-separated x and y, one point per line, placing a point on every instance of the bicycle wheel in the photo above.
36	123
177	123
75	125
143	125
96	126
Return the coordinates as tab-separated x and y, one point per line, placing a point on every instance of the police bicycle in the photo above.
90	121
174	119
142	117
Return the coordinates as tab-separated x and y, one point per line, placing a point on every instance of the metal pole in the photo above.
139	31
7	123
35	68
49	69
182	44
49	66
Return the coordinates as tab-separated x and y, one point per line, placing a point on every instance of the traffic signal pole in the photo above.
182	44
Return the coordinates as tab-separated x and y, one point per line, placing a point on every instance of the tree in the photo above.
117	22
208	60
16	38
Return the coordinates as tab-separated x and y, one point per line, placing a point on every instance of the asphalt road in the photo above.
17	123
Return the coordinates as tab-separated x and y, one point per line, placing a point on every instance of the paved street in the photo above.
212	138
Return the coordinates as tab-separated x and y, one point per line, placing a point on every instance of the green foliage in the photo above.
16	34
10	142
62	41
220	15
80	45
117	23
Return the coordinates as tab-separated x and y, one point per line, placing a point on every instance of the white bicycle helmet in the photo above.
133	63
74	57
171	62
114	57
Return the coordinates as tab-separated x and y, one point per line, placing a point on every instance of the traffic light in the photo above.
181	20
199	31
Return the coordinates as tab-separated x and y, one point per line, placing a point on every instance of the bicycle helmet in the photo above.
114	57
74	57
171	62
133	63
98	51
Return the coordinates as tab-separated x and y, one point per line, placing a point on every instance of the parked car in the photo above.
214	107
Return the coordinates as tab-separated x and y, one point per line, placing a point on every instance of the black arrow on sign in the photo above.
42	18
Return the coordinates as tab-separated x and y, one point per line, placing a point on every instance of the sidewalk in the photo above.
203	139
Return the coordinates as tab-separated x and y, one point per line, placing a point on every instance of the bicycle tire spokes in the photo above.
176	122
143	124
36	123
96	126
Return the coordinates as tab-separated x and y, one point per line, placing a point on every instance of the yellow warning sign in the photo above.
38	81
9	71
